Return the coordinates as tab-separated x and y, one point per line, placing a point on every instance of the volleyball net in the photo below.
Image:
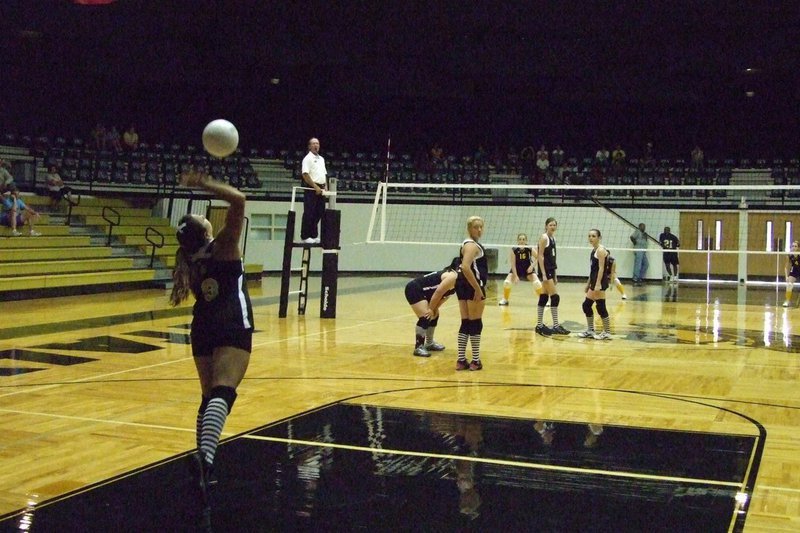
726	232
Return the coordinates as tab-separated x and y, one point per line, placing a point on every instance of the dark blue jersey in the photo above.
220	292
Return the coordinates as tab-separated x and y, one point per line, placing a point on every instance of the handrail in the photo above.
147	232
111	223
69	198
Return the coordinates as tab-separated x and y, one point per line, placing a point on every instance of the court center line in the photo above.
504	462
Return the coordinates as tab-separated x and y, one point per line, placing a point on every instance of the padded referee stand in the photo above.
331	220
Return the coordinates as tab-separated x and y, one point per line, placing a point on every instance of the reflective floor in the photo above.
685	421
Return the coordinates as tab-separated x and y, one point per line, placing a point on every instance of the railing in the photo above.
111	223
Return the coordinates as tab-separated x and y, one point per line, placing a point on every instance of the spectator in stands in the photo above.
55	187
131	138
697	158
640	263
542	162
512	158
649	159
601	158
99	137
315	178
618	158
557	157
527	159
16	213
480	156
6	179
437	156
112	137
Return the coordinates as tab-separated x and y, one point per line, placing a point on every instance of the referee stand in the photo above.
329	237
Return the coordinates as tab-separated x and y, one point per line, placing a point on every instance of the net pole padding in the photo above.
286	269
383	211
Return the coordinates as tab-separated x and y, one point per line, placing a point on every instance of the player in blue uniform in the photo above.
599	278
425	295
471	292
222	322
792	272
547	274
522	258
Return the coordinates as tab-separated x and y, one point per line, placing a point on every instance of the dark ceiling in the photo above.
478	55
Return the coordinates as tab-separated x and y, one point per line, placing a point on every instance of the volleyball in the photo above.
220	138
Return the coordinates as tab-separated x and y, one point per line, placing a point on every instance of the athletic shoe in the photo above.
461	364
602	336
560	330
205	476
786	304
624	296
434	347
588	334
420	351
15	233
316	240
503	302
544	331
310	240
35	234
476	365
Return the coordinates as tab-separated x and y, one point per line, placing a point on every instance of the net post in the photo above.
286	270
331	221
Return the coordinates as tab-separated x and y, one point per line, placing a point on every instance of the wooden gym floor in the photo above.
686	421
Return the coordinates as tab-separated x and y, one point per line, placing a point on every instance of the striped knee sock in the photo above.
213	421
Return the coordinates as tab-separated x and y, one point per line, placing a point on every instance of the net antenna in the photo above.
380	199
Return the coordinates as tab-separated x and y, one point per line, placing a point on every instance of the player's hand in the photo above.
514	278
478	296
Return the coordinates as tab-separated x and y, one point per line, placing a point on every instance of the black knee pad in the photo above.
477	326
543	299
423	322
554	299
464	326
226	393
601	309
433	323
203	404
587	307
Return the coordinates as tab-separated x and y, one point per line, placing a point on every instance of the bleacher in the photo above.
78	258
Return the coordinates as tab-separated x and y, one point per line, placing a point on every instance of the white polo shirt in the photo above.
314	166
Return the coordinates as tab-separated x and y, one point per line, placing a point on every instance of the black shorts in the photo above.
205	341
465	291
671	258
551	274
795	273
414	292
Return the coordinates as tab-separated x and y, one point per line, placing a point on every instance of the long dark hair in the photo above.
191	237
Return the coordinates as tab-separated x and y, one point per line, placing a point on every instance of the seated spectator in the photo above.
601	158
99	137
131	139
480	156
55	187
618	157
16	213
527	158
112	136
649	158
697	158
6	179
557	157
542	161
